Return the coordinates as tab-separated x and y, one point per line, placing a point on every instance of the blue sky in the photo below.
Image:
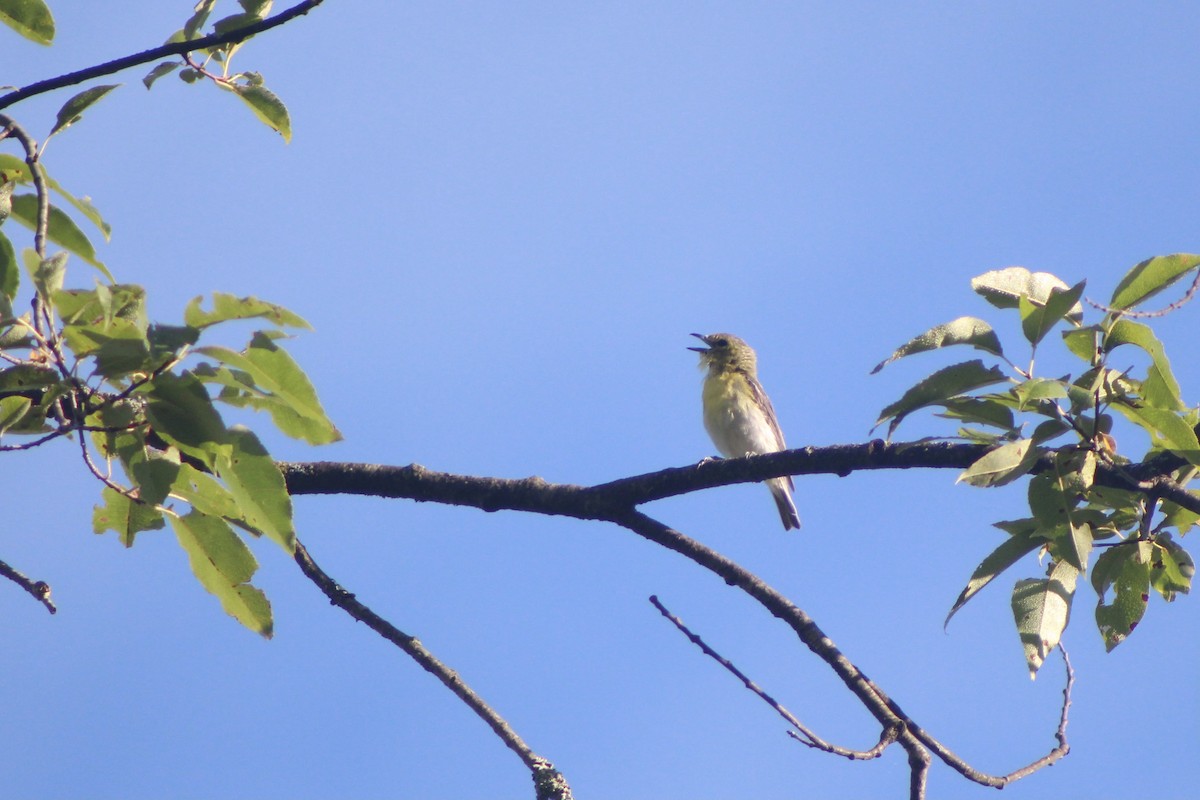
503	220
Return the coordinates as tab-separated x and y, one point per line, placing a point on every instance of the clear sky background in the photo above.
503	220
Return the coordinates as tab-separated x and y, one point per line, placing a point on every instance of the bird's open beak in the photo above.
702	338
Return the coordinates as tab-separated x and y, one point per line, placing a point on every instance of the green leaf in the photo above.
1150	277
258	488
224	565
30	18
1171	568
940	386
165	68
1042	609
1082	342
182	413
205	494
267	107
125	516
48	274
119	347
1038	318
227	307
1001	466
1004	288
979	410
83	205
258	8
1033	391
234	22
1008	553
1126	570
10	273
273	371
964	330
7	184
1159	389
195	23
61	230
72	110
11	411
1166	428
154	473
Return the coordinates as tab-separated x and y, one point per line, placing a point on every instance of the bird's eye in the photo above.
722	342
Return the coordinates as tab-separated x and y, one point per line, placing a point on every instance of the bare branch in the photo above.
548	782
805	735
156	53
39	589
610	500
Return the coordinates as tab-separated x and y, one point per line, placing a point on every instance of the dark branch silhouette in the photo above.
156	53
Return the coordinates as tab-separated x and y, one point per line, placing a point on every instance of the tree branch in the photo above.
548	782
156	53
805	735
39	589
609	500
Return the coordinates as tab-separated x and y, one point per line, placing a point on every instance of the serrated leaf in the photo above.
276	374
1002	465
1159	389
1126	570
1004	288
11	411
258	488
267	107
1042	609
159	70
940	386
964	330
125	516
61	230
1038	318
1166	428
223	564
72	110
228	307
1011	551
182	413
30	18
1150	277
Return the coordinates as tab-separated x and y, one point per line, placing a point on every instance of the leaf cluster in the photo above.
87	364
1056	430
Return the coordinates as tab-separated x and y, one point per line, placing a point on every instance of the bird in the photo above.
738	414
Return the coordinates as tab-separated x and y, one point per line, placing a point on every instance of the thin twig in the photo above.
546	778
39	589
805	735
156	53
1162	312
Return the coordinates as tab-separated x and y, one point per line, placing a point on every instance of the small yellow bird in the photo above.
738	414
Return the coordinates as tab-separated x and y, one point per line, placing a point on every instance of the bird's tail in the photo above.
781	491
